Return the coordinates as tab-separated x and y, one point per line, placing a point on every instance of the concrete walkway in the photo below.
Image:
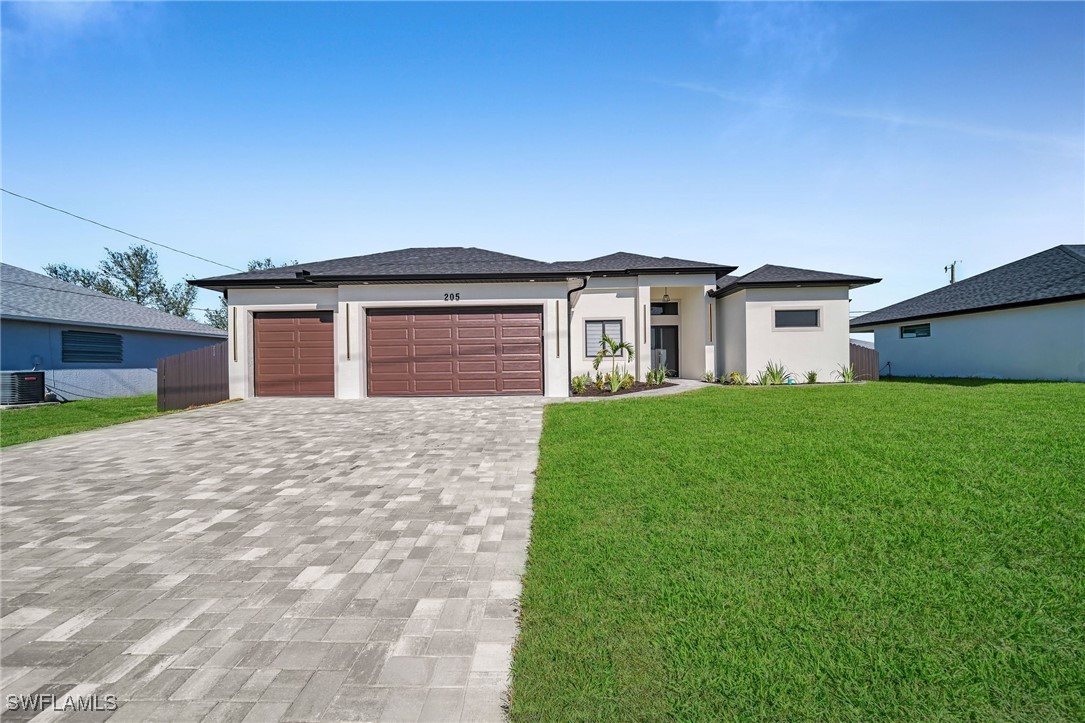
272	560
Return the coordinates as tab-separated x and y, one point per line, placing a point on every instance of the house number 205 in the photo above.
454	296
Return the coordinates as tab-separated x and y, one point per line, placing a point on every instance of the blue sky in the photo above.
880	139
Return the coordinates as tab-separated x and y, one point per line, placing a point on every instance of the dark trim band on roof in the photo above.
739	286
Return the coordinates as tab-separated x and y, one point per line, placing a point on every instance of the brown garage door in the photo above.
435	352
294	354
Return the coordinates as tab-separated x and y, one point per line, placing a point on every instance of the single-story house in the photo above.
89	344
466	321
1024	320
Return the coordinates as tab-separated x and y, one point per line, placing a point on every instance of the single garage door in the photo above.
294	354
437	352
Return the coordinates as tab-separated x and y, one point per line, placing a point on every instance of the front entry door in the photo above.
665	349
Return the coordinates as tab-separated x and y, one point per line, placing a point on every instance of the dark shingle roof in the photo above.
1057	274
624	262
774	276
449	262
25	295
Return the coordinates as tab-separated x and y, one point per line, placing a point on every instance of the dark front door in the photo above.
665	348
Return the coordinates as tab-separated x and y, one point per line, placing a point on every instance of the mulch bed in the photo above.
637	387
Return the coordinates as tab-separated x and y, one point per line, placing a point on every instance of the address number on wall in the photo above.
453	296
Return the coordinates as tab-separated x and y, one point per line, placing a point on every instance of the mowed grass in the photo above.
892	550
26	425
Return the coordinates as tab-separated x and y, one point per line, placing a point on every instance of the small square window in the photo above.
91	347
915	331
594	331
797	318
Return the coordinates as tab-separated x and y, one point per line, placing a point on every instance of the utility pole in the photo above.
951	269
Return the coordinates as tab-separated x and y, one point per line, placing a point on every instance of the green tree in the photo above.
132	275
219	317
610	348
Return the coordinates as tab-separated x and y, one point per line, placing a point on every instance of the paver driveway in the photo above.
272	559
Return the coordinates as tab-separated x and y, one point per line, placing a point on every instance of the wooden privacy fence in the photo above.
196	377
865	362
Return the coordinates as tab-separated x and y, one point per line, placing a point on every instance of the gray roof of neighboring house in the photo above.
776	276
1057	274
28	296
421	264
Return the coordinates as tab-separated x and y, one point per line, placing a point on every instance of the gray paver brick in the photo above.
274	559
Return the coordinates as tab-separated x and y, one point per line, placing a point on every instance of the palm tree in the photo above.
611	348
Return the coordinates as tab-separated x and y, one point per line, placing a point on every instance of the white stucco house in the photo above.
465	321
1024	320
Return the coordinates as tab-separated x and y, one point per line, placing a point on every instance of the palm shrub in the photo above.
773	373
611	348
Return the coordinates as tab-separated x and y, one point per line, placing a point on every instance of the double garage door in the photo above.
410	352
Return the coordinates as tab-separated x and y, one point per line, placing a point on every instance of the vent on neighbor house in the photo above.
22	387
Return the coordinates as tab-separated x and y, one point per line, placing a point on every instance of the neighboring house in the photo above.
464	321
1024	320
88	344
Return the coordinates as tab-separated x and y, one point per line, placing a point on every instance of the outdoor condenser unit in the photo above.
22	387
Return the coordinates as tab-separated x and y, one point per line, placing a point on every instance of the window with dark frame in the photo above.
594	331
664	308
797	318
91	347
915	331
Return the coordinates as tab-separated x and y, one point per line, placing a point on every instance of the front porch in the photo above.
668	320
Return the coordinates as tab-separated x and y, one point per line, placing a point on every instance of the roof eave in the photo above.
858	325
741	285
210	333
220	284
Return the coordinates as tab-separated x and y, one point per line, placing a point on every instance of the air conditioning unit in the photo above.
22	387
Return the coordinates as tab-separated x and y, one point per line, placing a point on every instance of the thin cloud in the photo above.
34	27
1072	146
795	38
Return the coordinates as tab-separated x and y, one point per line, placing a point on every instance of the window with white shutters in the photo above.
594	331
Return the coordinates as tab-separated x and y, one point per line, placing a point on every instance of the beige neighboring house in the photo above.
1024	320
467	321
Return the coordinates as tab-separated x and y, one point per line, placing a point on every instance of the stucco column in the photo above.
643	337
709	306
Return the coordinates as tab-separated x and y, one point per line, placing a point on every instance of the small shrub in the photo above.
628	379
709	377
579	383
811	377
600	382
737	378
656	376
845	373
773	373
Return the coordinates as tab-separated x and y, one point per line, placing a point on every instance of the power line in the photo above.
117	230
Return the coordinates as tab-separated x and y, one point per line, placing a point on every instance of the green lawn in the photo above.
26	425
892	550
